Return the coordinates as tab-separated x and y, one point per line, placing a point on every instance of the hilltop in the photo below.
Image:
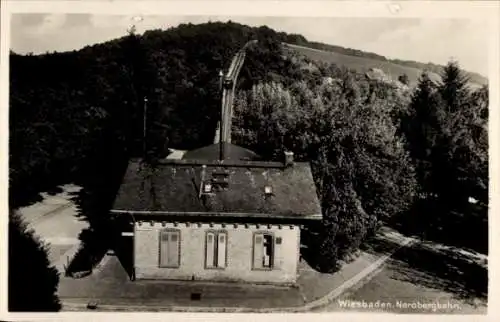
364	62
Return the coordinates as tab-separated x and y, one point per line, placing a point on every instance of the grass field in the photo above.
362	64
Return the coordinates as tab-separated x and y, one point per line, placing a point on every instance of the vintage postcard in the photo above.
219	157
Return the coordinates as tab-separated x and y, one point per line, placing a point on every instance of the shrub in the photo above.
32	282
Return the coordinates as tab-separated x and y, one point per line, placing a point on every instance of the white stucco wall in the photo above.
239	253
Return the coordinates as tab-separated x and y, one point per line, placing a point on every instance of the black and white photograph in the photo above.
237	163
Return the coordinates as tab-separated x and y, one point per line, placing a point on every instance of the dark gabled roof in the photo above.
212	152
173	188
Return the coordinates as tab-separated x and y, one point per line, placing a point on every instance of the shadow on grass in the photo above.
95	247
30	194
94	201
378	245
448	271
52	191
123	247
91	252
465	228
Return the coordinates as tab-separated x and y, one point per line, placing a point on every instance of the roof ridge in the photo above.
229	163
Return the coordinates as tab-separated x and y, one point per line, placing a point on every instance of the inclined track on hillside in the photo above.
229	87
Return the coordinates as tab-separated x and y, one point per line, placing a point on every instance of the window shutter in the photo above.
258	251
268	250
277	261
173	249
164	238
210	251
221	250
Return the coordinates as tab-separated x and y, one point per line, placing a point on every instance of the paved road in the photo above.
416	282
60	226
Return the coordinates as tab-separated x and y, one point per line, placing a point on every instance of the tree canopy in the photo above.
32	281
446	126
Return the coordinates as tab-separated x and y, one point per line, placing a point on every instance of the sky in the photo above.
424	40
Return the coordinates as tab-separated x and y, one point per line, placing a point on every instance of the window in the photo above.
220	180
207	187
263	251
170	248
216	247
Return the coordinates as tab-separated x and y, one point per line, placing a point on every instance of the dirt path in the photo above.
54	220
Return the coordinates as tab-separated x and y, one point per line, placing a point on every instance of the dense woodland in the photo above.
380	153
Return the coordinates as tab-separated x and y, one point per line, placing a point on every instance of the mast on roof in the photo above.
145	108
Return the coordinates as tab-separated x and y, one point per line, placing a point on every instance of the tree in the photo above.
462	158
32	281
454	88
403	78
446	130
422	129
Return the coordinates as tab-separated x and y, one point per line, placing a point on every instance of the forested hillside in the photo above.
73	113
376	148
